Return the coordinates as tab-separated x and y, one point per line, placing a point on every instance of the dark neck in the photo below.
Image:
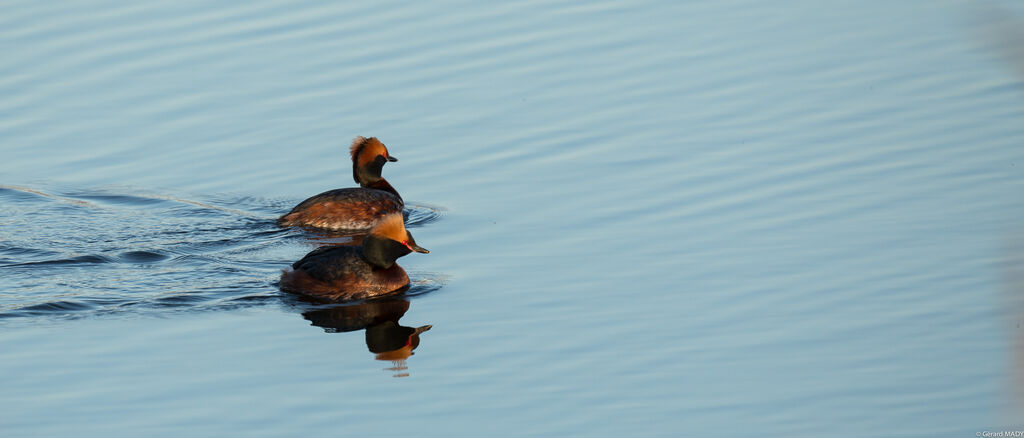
381	252
368	173
382	184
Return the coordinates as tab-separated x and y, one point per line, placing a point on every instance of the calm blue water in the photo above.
645	219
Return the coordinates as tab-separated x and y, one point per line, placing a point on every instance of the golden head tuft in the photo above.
391	227
364	150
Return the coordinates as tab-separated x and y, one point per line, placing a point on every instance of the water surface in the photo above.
645	219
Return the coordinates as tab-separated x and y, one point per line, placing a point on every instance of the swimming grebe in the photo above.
355	272
356	208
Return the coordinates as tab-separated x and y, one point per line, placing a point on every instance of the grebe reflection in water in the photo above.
385	337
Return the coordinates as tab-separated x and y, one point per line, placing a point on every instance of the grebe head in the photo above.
368	158
388	241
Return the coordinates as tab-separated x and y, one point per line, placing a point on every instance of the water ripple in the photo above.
125	250
418	215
